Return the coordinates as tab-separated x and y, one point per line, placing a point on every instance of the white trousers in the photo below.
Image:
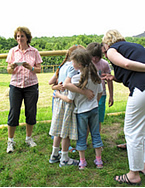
134	130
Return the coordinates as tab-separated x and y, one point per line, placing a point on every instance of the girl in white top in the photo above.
86	110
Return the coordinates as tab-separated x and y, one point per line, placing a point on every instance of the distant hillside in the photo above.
140	35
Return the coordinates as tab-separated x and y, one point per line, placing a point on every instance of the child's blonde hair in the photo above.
112	36
81	56
67	57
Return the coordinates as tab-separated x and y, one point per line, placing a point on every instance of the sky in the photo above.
67	18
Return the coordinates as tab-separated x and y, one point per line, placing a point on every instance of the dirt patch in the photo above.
112	133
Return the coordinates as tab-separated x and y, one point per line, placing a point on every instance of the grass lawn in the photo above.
29	167
45	98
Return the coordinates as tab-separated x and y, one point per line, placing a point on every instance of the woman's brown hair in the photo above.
24	30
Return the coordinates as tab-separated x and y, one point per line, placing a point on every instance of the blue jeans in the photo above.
90	118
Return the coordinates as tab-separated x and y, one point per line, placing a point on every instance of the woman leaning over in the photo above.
24	62
128	60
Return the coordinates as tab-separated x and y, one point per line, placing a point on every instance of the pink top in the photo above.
21	76
103	67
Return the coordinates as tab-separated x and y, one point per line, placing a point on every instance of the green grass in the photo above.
45	98
29	167
44	102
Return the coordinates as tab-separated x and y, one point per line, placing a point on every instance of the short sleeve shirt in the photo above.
67	70
103	67
81	102
21	76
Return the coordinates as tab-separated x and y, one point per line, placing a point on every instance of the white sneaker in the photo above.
10	147
30	142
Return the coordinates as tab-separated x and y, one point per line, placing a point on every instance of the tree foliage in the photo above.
58	43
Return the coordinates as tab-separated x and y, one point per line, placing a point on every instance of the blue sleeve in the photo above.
71	72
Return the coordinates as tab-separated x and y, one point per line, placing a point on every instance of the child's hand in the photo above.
57	94
105	76
89	94
61	88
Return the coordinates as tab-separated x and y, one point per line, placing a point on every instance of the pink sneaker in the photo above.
99	164
82	165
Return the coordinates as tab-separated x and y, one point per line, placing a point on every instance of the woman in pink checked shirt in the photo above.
24	62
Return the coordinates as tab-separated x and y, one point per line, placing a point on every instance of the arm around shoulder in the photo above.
52	80
63	97
71	87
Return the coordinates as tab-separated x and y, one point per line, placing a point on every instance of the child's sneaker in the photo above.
82	165
69	162
99	164
10	147
54	159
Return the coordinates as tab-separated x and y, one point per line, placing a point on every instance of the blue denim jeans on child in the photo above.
91	119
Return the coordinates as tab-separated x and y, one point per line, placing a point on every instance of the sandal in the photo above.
82	165
70	162
71	149
99	164
122	146
124	179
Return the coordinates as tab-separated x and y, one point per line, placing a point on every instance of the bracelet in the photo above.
32	68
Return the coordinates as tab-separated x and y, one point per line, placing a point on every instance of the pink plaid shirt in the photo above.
21	76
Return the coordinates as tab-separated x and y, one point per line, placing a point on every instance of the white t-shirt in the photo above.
81	102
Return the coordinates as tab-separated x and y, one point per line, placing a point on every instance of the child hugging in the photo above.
63	124
86	110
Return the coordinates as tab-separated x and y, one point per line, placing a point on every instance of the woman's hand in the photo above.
27	66
13	65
